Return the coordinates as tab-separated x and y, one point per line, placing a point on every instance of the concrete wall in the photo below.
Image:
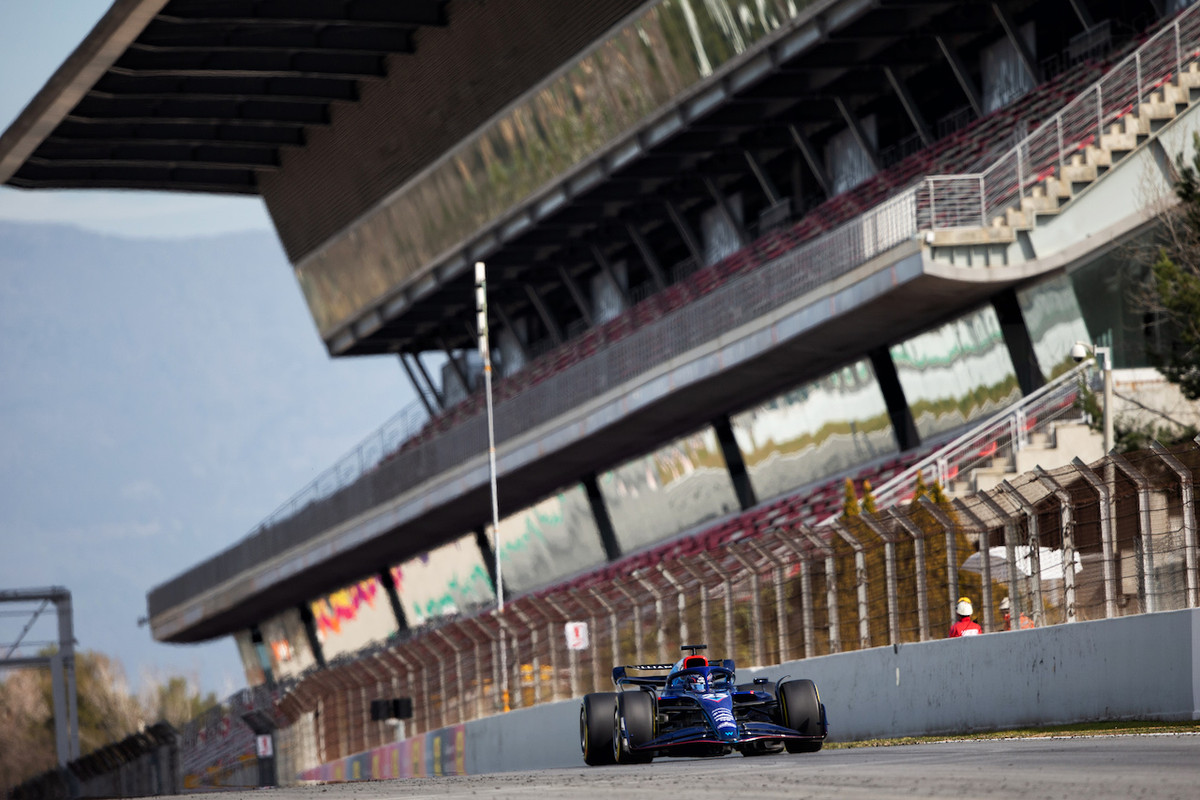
1143	667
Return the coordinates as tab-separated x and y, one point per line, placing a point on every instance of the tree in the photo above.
1174	291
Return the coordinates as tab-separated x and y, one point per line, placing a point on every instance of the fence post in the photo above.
637	621
727	587
989	617
1010	551
951	547
589	611
807	624
477	681
1149	585
1066	521
918	537
755	605
612	624
1035	549
691	569
780	600
535	661
1187	498
889	562
1107	542
572	655
661	635
680	603
831	592
860	580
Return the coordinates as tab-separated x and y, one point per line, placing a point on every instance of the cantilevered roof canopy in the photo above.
200	95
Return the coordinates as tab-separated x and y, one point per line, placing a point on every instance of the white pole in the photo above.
486	354
1105	354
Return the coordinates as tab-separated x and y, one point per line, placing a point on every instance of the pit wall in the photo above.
1141	667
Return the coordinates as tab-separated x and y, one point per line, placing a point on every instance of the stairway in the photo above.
1057	185
1047	449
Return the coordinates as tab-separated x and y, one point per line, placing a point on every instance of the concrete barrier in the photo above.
1143	667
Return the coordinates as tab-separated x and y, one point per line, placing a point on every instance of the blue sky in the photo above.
162	387
36	36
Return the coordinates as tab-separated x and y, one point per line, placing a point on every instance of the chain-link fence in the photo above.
1081	542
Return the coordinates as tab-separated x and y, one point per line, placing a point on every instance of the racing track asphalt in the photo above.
1158	766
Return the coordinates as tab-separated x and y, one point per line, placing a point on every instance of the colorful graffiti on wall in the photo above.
437	753
343	606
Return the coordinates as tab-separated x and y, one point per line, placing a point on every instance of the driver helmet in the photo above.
964	609
695	683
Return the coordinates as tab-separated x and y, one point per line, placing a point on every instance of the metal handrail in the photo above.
1012	423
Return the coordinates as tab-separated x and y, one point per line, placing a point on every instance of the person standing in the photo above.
965	626
1025	622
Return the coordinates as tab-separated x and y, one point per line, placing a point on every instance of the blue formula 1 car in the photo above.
696	708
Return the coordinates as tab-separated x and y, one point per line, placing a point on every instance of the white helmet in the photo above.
1005	605
964	609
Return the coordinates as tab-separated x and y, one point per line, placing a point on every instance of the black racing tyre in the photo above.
596	728
636	711
800	710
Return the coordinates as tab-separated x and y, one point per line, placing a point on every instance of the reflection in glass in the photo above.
350	619
287	644
814	431
638	70
1054	322
451	579
956	373
549	540
1108	290
678	486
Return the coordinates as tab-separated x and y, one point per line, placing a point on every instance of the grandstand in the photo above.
736	254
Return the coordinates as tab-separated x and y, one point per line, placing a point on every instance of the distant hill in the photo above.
157	400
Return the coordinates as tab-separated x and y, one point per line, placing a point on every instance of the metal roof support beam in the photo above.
440	397
552	326
1187	499
764	180
310	633
576	295
989	621
606	267
860	135
816	164
1035	550
456	366
723	206
1018	43
910	105
1149	586
685	232
412	379
1083	12
506	320
389	586
648	257
1107	543
962	76
1066	521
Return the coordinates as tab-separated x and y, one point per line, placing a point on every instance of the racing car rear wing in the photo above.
621	677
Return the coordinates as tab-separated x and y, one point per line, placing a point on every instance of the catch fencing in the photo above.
1082	542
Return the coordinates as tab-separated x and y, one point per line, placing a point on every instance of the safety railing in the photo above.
997	438
970	201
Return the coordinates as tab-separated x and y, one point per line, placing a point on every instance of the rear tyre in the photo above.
596	728
800	710
635	710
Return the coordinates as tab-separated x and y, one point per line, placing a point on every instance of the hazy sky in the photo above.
36	36
160	394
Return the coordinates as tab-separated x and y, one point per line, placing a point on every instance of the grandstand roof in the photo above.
201	95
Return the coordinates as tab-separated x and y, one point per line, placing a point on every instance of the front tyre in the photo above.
596	729
800	710
633	720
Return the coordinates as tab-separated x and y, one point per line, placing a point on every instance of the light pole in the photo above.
485	353
1080	351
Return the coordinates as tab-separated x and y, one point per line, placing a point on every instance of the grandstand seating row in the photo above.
964	151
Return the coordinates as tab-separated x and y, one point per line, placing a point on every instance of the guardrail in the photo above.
970	201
